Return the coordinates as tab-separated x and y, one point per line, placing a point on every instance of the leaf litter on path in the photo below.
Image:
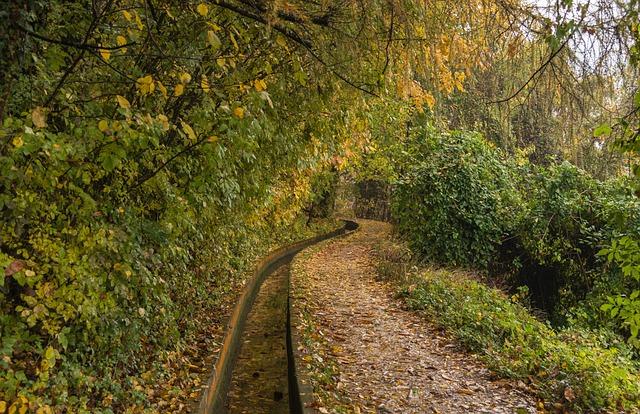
366	354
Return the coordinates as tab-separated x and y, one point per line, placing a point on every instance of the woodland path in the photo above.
385	359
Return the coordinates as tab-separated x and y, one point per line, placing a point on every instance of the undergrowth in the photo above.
570	368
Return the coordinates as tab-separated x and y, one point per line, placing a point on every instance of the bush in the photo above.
457	201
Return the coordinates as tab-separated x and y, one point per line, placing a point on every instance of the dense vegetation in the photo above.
572	367
467	203
149	151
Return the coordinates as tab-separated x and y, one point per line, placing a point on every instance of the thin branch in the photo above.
534	74
167	162
292	35
82	46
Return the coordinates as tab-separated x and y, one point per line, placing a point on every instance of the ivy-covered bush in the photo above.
569	217
457	200
461	201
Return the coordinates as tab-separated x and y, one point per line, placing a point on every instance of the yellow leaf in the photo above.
179	90
121	40
429	100
123	102
17	141
139	22
126	15
220	61
162	89
13	408
260	85
212	139
164	121
188	130
239	112
105	54
39	117
202	9
103	125
459	80
3	406
23	409
185	77
145	85
204	83
233	40
281	41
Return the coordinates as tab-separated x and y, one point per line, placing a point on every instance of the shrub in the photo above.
457	201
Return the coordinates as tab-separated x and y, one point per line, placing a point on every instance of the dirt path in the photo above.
385	359
259	381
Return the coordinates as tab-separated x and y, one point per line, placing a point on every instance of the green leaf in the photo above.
606	307
602	129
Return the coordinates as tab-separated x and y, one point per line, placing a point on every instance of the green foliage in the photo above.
566	365
148	154
460	201
456	200
625	254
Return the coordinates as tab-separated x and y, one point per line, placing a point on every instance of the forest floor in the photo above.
366	354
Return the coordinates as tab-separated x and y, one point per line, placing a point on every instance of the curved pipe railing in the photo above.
214	397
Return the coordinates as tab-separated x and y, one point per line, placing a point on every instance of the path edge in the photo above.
214	396
300	389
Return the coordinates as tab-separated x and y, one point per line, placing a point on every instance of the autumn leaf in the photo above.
213	40
139	22
145	85
239	112
39	117
164	121
15	267
202	9
162	89
121	40
260	85
429	100
103	125
123	102
233	40
17	141
569	394
126	15
179	90
204	83
281	41
188	130
106	54
185	77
